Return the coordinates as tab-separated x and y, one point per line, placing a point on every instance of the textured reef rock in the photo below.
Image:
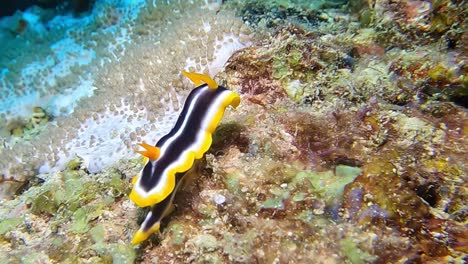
139	50
434	33
69	216
349	145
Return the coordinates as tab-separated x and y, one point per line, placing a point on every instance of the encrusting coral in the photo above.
67	207
345	148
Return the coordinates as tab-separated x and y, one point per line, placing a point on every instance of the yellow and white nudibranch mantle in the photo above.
175	153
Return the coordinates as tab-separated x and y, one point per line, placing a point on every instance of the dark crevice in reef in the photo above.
273	15
9	7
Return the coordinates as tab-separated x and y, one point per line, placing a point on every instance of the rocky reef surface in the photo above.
349	145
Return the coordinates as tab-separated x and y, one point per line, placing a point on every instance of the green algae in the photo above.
353	253
84	215
115	252
73	201
177	234
207	242
294	89
328	185
97	233
9	224
122	253
280	194
74	164
232	183
367	17
44	203
294	58
80	221
299	197
239	246
273	203
305	216
56	242
207	210
207	222
117	186
35	257
306	186
287	59
280	69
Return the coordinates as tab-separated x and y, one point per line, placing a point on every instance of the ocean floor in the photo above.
349	145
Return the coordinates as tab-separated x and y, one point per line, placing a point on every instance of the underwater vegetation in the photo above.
69	210
349	144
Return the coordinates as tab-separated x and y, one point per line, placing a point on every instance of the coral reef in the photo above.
349	145
75	212
105	132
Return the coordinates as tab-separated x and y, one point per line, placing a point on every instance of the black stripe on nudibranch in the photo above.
187	136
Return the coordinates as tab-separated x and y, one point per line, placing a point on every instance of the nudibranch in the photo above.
175	153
